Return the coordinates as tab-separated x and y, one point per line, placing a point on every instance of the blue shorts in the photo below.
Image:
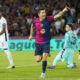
42	48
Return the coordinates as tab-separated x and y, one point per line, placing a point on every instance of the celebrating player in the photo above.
71	40
4	39
42	25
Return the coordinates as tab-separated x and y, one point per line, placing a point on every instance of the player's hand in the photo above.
62	53
30	38
66	9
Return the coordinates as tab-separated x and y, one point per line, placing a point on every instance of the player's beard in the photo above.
44	17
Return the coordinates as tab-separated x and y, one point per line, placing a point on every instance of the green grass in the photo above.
28	69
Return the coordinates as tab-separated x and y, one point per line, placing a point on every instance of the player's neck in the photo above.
40	19
69	30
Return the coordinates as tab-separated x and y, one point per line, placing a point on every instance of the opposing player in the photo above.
42	25
4	39
71	40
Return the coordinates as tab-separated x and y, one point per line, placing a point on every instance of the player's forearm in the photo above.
3	31
61	13
58	15
62	52
31	30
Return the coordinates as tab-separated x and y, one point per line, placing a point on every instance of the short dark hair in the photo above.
40	8
70	25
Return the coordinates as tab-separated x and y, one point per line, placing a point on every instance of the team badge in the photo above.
37	23
42	31
41	25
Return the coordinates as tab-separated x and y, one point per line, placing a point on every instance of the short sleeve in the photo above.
4	23
50	18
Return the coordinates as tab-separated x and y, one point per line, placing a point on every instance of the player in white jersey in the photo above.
4	39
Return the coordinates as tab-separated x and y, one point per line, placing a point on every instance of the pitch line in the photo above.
21	66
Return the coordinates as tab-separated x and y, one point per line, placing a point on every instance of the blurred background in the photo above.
21	13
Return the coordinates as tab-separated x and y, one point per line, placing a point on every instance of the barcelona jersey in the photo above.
43	29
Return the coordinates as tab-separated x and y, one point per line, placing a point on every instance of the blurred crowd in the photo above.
20	14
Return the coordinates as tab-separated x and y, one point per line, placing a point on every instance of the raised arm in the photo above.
61	13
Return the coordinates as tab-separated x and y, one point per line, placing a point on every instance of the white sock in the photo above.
9	57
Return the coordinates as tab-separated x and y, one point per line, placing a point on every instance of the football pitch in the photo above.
28	69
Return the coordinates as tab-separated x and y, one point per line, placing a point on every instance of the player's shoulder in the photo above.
67	34
3	19
74	33
50	18
36	19
71	33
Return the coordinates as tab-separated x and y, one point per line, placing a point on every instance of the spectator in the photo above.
58	26
20	13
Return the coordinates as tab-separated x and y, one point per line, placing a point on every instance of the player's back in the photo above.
71	40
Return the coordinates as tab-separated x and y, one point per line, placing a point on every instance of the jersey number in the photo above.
74	40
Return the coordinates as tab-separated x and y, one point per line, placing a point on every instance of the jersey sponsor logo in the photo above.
41	25
42	31
37	23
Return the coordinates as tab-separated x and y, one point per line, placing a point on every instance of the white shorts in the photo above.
4	45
